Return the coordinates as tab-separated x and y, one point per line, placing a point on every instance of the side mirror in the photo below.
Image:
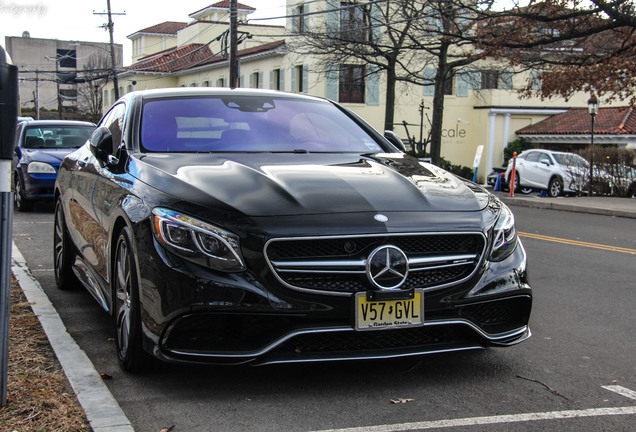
101	144
395	140
545	162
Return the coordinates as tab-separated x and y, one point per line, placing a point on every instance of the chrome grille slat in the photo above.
435	260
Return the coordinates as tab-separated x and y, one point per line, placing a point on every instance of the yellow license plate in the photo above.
374	315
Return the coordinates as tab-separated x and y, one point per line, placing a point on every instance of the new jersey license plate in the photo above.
374	315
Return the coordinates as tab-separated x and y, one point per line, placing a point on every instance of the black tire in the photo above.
555	188
63	252
21	203
127	310
521	189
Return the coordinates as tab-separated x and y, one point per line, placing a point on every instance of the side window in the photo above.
545	158
533	157
114	121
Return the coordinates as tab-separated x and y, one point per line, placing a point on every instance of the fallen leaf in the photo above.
401	401
105	376
615	382
111	339
168	429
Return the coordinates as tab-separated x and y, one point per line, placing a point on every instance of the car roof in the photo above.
216	91
57	123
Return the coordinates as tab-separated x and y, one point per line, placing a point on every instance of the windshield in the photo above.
572	160
56	136
239	123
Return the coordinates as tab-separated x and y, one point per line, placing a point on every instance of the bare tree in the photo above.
574	46
90	92
403	38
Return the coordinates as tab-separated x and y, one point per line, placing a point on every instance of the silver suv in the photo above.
554	172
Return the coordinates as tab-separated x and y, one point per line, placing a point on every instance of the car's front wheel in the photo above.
127	310
21	202
555	188
63	253
522	189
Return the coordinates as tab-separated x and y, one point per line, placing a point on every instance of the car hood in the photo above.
48	155
271	184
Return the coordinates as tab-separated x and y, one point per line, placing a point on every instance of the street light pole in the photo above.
592	108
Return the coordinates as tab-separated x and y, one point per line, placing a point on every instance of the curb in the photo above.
102	410
547	203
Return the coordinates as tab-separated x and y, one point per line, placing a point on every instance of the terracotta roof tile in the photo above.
225	4
190	56
168	27
577	121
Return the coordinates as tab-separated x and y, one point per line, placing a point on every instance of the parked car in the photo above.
250	226
491	179
39	149
554	172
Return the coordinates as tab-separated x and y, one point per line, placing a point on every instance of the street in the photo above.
583	278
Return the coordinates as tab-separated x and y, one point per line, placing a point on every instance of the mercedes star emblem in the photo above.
387	267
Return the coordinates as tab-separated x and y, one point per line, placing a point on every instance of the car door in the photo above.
544	169
86	209
526	169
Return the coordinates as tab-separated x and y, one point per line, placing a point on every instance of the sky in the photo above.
74	19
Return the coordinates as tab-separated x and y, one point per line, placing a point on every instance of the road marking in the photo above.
501	419
578	243
621	391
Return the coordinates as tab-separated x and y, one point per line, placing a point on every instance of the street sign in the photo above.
478	153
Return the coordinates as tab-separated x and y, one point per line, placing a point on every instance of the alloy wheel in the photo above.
123	282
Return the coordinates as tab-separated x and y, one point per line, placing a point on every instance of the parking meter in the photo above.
8	105
8	120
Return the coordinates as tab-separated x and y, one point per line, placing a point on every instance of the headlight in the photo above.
197	241
40	168
504	235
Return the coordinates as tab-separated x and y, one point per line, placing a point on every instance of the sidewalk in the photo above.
607	206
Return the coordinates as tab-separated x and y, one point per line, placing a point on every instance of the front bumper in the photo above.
39	186
191	314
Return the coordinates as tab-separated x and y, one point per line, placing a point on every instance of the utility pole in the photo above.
60	107
233	43
36	95
109	26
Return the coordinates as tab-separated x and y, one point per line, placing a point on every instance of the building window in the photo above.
105	98
129	88
489	80
277	81
67	58
355	21
255	83
220	82
205	84
300	19
299	79
351	84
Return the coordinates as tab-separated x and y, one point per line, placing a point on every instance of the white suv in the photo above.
554	172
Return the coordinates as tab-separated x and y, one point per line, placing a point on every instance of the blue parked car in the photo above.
39	149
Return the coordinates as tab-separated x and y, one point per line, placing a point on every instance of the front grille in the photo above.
338	264
375	340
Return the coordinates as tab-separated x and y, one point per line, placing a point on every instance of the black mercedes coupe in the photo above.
248	226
